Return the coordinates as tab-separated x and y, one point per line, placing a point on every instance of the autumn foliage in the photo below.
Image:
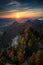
29	48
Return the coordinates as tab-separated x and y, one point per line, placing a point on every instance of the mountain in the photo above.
6	22
38	24
9	32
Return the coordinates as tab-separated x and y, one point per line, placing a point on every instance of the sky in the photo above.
21	8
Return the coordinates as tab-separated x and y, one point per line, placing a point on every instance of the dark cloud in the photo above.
19	4
40	2
4	1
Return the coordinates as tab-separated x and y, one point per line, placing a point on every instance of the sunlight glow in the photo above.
17	16
22	14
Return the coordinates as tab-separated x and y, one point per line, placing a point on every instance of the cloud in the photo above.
12	6
13	3
9	6
17	4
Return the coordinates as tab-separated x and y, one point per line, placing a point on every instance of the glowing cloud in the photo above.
30	13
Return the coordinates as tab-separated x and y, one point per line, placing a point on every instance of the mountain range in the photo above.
11	31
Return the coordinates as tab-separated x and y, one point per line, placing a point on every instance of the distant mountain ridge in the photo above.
6	22
12	23
9	32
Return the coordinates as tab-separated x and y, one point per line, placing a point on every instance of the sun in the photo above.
17	16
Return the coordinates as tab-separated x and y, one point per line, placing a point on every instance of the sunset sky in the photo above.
21	8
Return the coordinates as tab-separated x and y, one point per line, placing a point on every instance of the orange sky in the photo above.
22	14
